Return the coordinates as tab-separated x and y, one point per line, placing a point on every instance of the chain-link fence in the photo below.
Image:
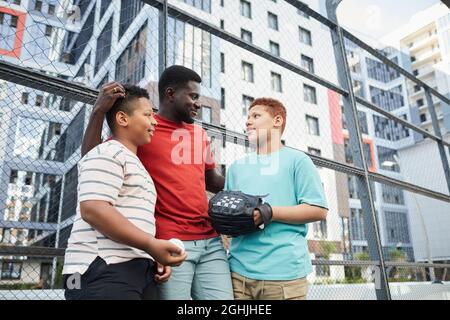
374	121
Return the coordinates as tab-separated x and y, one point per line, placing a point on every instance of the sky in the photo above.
372	19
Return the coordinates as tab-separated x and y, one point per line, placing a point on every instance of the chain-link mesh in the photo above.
373	130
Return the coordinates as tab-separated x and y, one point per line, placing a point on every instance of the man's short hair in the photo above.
175	77
125	104
272	106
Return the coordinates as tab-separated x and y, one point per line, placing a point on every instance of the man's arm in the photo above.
108	94
214	181
103	217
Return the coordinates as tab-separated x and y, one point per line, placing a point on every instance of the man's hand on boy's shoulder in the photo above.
107	96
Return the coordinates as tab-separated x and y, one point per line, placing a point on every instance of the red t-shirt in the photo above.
177	158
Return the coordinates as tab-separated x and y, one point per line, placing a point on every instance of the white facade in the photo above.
426	39
369	77
429	218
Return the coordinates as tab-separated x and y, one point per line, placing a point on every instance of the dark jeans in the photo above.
130	280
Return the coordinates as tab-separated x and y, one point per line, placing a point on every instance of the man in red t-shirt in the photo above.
182	166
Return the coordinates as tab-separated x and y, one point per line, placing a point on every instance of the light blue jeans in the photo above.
204	275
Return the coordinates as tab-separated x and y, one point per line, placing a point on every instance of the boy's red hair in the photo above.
272	106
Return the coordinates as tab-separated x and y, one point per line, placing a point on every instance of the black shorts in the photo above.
130	280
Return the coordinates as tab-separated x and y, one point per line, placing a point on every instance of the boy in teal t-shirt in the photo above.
273	263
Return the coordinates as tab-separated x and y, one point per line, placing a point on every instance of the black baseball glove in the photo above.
231	212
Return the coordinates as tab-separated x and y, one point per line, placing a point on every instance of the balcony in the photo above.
424	72
426	57
422	43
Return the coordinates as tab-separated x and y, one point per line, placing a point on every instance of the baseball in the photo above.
178	243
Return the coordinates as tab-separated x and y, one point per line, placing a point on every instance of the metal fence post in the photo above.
58	230
365	193
163	33
437	132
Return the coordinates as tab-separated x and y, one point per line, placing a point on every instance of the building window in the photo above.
83	37
129	9
38	5
11	270
246	35
13	22
25	96
312	125
103	45
392	194
191	47
362	118
309	94
366	149
314	151
246	9
357	225
14	175
222	98
222	3
358	88
48	30
39	100
379	71
206	114
389	129
388	100
204	5
387	158
274	48
51	9
272	20
276	82
397	227
420	102
352	188
423	117
224	140
247	71
222	62
305	36
307	63
246	103
104	4
130	66
222	24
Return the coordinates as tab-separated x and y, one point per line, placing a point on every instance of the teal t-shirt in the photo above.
279	251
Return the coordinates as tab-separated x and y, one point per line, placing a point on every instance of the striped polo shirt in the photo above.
110	172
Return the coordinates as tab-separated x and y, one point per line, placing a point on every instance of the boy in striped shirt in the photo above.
112	252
